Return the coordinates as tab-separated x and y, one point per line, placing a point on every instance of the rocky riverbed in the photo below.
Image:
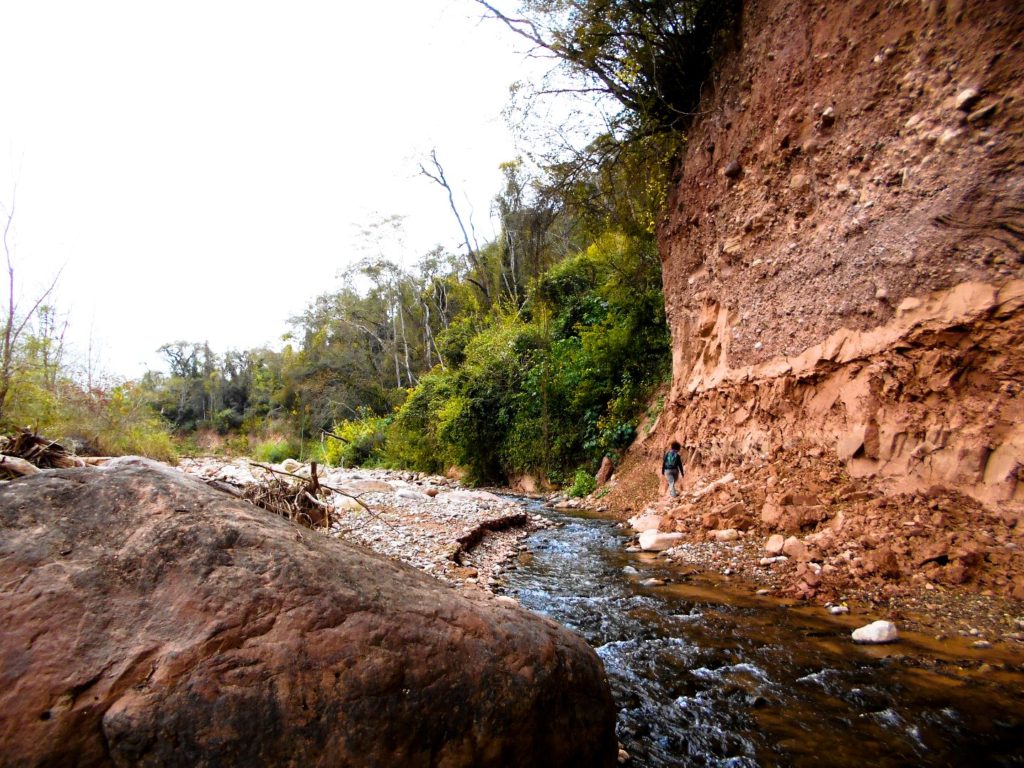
460	536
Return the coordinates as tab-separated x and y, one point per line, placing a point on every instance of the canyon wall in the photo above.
843	259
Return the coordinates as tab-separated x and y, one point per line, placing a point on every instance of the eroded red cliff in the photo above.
844	279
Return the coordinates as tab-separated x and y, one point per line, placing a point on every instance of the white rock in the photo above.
371	486
291	465
645	522
652	582
409	493
630	570
727	534
346	503
655	541
725	480
876	632
838	610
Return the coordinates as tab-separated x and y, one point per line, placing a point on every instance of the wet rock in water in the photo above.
629	570
876	632
186	627
655	541
652	582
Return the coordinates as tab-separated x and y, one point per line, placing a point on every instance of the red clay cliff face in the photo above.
843	263
149	619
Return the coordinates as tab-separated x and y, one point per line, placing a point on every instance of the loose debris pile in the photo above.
25	453
301	499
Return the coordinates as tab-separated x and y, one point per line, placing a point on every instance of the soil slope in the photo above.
844	278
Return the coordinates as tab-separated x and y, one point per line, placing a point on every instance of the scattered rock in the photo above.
984	113
726	534
733	170
966	99
794	548
655	541
799	182
876	632
652	582
646	522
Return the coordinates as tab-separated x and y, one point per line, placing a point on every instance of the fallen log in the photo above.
12	466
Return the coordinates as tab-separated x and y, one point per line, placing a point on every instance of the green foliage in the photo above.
274	451
361	442
583	484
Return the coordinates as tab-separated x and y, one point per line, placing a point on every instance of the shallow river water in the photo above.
707	677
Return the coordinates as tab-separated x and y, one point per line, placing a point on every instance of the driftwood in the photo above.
25	453
12	466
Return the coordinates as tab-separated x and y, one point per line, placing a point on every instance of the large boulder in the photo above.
149	619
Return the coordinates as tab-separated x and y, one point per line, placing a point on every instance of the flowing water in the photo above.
704	677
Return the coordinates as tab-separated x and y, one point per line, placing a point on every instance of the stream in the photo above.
705	677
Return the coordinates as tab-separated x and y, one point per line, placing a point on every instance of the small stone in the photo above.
881	293
775	544
966	99
629	570
763	592
794	548
982	114
652	582
876	632
726	534
981	644
799	182
838	610
828	117
634	549
733	170
623	756
948	136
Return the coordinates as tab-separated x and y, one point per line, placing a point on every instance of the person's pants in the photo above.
671	476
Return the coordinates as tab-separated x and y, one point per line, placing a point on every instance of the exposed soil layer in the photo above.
844	278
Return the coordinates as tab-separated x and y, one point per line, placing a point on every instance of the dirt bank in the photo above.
844	278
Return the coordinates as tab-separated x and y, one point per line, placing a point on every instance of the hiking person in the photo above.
672	467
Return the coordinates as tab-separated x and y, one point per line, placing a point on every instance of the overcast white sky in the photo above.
203	169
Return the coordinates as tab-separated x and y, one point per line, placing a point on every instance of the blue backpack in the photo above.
673	461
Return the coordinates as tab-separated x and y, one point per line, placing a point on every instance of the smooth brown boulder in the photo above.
149	619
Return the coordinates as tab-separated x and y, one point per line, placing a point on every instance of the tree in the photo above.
14	323
651	57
